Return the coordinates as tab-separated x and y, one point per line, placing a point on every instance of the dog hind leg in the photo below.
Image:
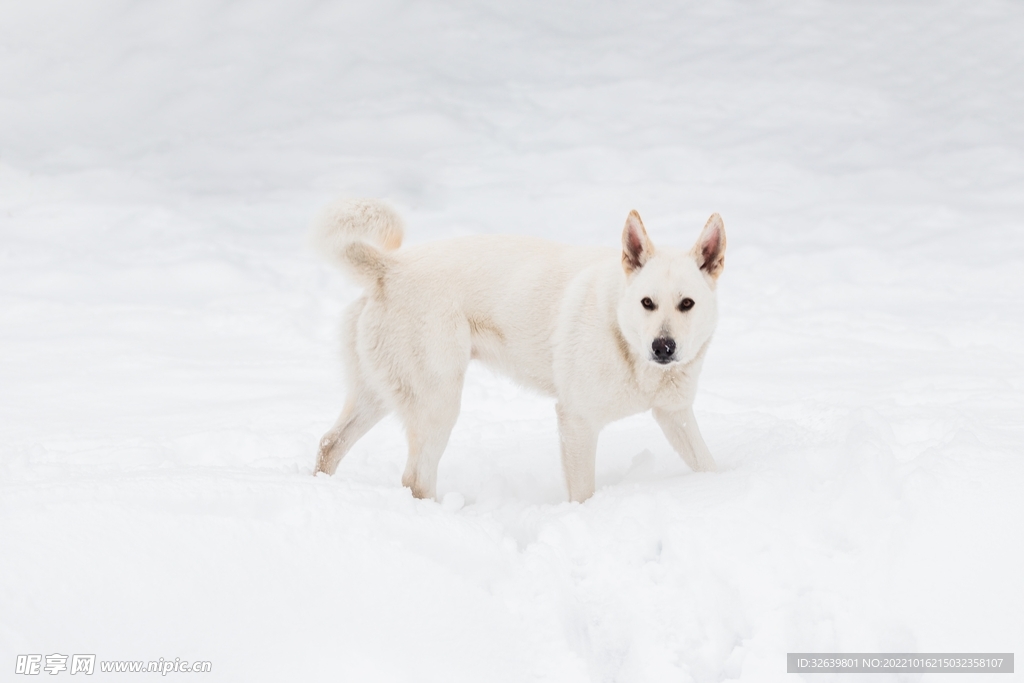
417	360
362	411
428	426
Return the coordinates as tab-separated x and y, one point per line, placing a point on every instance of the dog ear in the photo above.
709	252
637	248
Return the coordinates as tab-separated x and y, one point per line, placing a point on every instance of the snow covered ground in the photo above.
168	341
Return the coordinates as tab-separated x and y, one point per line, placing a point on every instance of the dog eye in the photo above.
686	304
647	303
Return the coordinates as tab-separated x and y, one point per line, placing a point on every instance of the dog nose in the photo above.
663	348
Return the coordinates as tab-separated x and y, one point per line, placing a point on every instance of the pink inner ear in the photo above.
709	249
636	245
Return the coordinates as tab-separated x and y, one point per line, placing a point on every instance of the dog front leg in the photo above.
579	453
680	427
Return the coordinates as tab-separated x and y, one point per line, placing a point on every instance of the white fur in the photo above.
566	321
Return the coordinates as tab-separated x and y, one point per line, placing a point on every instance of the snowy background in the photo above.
168	341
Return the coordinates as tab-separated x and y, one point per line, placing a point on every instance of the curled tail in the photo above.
358	233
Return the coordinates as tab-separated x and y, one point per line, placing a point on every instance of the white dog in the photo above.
607	333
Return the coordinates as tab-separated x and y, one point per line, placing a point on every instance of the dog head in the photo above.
668	310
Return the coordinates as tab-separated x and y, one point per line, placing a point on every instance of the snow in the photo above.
168	344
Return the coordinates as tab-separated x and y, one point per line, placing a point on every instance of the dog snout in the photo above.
663	349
